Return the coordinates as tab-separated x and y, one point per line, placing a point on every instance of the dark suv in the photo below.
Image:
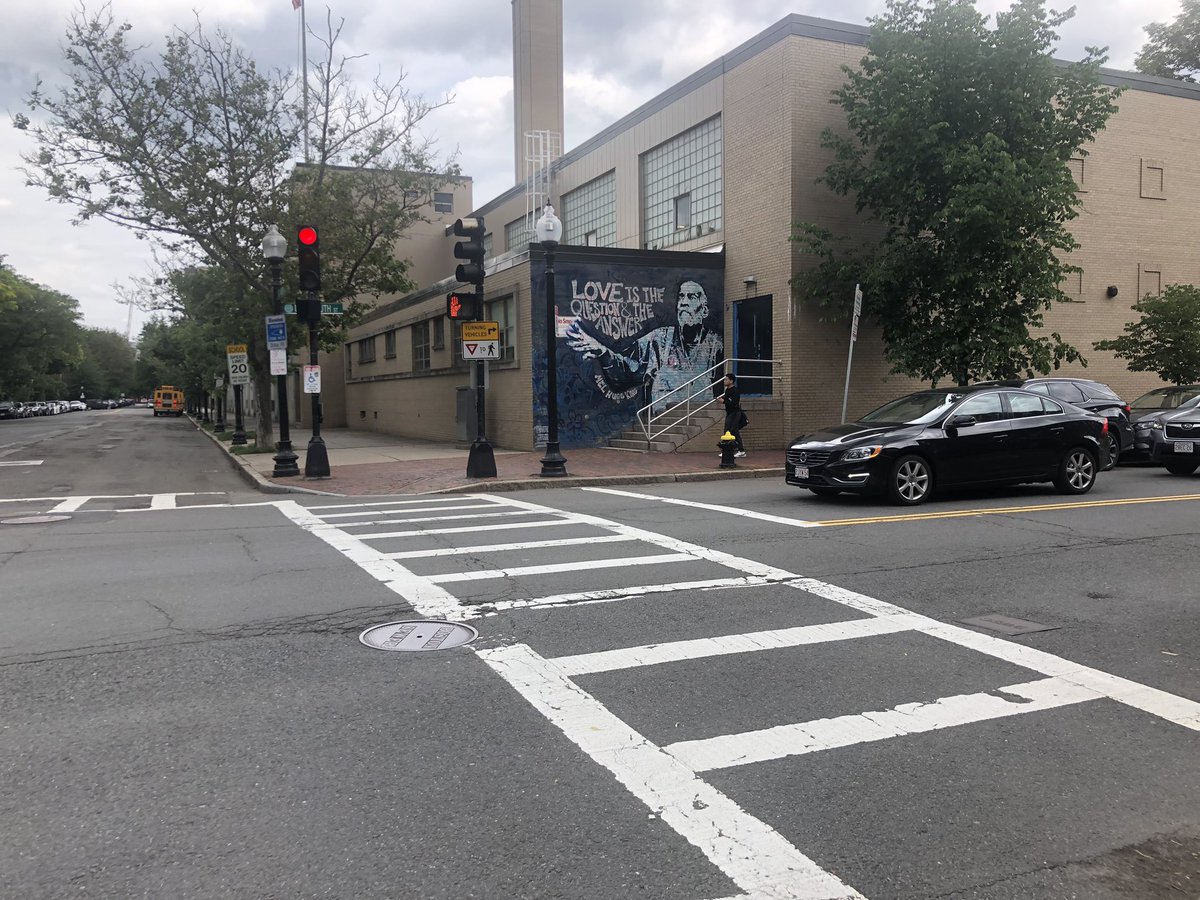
1094	396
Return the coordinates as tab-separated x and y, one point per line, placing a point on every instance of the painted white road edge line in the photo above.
752	854
730	510
728	750
21	462
676	651
551	568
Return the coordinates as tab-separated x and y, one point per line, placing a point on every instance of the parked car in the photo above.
1177	444
9	410
1149	409
77	405
1096	397
953	436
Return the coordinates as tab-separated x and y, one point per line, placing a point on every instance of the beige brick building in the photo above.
706	180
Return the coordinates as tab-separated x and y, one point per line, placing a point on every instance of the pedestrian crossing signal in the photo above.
460	306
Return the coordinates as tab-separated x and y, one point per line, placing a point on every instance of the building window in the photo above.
518	234
366	350
389	345
420	346
487	246
590	213
501	311
442	202
682	189
439	334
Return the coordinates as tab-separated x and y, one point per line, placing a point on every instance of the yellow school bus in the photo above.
168	401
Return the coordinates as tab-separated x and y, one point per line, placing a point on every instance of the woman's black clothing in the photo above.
732	399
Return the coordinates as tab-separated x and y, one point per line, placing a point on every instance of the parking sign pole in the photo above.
850	357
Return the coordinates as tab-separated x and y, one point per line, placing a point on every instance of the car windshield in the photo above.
915	409
1167	398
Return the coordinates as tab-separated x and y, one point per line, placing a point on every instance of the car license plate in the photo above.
801	471
1184	446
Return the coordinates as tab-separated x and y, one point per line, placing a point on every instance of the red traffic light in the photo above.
307	235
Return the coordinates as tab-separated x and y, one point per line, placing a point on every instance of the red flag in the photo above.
296	4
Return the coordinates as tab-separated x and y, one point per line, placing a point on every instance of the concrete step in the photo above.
641	444
670	439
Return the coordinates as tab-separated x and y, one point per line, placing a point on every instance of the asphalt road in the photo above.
694	691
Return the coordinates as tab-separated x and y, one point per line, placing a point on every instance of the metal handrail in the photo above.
648	419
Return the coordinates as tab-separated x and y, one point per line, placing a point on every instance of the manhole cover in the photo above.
418	634
1007	624
32	520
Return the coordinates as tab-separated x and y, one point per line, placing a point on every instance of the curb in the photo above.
251	476
604	480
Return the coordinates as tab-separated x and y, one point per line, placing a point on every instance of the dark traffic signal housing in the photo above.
309	256
461	307
472	250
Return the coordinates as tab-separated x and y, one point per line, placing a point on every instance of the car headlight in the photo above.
1147	426
861	453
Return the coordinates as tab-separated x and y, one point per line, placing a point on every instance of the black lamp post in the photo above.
549	230
274	248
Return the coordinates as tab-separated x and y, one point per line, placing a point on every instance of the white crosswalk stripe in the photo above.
667	778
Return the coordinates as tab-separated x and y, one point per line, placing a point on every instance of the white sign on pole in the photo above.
481	350
239	364
857	313
312	379
279	362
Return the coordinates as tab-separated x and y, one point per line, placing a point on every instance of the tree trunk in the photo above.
264	390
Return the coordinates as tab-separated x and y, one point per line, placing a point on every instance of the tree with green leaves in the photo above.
956	150
197	149
1166	339
39	339
1173	50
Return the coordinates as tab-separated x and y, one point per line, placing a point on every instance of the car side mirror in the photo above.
961	422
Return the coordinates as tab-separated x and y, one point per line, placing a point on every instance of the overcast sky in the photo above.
613	56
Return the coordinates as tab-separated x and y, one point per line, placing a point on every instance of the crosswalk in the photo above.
423	550
11	506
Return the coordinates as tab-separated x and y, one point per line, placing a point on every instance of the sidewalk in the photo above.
364	463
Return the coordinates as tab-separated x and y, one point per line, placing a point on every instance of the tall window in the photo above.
501	311
389	345
439	333
366	350
420	346
682	186
518	234
590	213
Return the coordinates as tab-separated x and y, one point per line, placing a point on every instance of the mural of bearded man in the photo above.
664	359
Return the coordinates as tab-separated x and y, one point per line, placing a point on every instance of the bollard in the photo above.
728	447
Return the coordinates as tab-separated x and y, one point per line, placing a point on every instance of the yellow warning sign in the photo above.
481	331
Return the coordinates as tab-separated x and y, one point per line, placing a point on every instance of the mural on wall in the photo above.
627	336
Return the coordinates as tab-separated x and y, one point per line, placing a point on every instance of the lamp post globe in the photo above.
274	249
549	232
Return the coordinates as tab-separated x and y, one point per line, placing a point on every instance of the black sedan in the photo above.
953	436
1177	445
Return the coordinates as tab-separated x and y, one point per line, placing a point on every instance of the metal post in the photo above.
204	398
853	338
316	460
481	461
219	400
553	463
285	457
239	427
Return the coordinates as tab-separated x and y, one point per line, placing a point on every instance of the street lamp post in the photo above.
274	248
549	231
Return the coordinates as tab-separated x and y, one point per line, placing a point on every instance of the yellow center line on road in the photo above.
1002	510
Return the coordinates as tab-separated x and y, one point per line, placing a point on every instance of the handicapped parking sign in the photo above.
312	379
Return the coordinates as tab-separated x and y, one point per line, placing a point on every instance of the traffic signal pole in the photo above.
316	459
481	461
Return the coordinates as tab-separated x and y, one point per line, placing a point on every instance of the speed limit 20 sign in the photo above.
239	363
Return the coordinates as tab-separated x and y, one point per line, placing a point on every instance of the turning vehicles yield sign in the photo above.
481	350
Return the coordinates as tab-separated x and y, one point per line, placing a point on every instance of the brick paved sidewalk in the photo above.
519	471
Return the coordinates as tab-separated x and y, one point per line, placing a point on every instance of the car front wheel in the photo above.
1181	467
911	481
1076	472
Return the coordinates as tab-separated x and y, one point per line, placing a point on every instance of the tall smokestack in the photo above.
537	73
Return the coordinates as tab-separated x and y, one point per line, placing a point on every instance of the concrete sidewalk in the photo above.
364	463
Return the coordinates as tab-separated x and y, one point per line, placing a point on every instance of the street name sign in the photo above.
239	364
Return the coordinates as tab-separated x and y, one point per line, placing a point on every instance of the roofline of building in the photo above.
796	25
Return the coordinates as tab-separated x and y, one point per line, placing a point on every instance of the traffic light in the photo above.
470	272
460	307
310	258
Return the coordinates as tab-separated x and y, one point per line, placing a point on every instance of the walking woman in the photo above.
732	398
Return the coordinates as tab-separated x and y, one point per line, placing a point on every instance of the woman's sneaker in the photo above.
739	454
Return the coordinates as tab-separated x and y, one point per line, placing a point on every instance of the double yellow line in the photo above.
1005	510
